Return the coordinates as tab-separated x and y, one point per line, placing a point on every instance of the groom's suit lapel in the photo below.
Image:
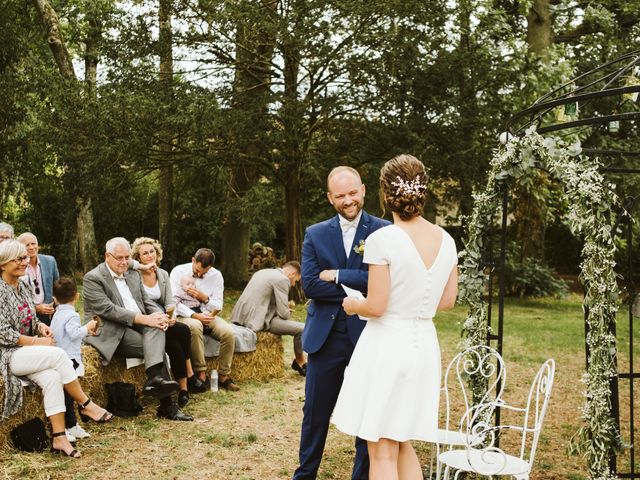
361	234
336	240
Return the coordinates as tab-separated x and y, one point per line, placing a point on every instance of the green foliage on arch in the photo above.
590	199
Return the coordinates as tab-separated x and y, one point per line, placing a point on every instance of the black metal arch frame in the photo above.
607	82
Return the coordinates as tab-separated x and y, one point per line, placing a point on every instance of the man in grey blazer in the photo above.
131	324
264	305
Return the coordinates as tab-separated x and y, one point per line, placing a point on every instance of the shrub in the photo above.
532	278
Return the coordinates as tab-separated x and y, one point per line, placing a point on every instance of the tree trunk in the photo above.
467	102
530	213
85	231
294	224
293	231
86	234
54	38
295	138
255	40
165	187
236	232
530	209
539	28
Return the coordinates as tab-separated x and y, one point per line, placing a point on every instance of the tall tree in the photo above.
254	46
85	231
165	187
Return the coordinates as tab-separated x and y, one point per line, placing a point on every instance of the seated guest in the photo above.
156	283
68	333
42	271
27	349
6	232
208	291
131	324
264	305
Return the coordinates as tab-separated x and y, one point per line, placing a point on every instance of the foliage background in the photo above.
333	83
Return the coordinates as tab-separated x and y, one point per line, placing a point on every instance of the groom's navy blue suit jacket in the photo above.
323	249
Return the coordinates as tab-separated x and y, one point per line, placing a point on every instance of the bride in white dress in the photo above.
391	388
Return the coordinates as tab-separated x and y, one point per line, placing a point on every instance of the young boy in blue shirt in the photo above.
68	333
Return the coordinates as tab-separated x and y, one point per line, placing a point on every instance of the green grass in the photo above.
254	433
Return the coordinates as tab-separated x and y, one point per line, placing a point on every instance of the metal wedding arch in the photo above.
602	100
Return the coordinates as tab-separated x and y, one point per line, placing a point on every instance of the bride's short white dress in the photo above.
391	387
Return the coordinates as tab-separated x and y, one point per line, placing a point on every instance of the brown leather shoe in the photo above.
229	384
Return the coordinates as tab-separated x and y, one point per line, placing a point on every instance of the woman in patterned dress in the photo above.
28	352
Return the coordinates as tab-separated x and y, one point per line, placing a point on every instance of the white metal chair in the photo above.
482	456
483	362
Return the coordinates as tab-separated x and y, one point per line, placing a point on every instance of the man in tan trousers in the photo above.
203	320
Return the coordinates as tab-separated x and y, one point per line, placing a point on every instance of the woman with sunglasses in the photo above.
27	349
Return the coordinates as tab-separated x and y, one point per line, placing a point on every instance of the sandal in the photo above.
73	454
106	416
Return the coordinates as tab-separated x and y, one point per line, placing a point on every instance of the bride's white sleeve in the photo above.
376	249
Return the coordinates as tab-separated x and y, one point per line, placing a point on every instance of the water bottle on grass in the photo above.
214	380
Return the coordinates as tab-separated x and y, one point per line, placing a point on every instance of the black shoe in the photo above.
302	370
159	387
195	385
173	412
183	398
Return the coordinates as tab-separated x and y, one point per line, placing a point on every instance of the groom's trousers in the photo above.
325	372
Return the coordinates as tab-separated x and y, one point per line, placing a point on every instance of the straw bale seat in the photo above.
264	363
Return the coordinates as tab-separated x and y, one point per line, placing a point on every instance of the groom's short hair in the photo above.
340	169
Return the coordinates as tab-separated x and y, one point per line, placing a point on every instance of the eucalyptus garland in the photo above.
590	199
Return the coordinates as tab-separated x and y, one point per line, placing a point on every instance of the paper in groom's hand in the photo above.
357	294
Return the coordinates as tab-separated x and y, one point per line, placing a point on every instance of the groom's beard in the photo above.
350	212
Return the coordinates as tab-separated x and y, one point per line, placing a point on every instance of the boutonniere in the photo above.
359	249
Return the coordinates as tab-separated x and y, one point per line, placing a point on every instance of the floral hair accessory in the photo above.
413	187
359	249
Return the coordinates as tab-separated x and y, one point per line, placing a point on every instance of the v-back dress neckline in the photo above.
415	248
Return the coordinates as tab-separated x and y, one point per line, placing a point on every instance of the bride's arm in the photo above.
377	294
448	298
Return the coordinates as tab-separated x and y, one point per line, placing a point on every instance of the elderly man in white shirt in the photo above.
132	324
204	319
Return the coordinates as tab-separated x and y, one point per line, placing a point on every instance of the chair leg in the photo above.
446	473
438	464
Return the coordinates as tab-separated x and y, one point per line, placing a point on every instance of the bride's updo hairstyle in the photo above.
403	186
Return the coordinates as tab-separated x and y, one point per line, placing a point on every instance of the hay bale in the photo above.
262	364
96	376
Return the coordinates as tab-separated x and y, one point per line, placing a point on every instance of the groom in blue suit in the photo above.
331	256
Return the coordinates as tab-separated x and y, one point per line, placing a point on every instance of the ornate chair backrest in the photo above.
537	402
480	362
482	453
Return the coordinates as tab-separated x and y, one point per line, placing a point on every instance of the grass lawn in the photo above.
253	434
